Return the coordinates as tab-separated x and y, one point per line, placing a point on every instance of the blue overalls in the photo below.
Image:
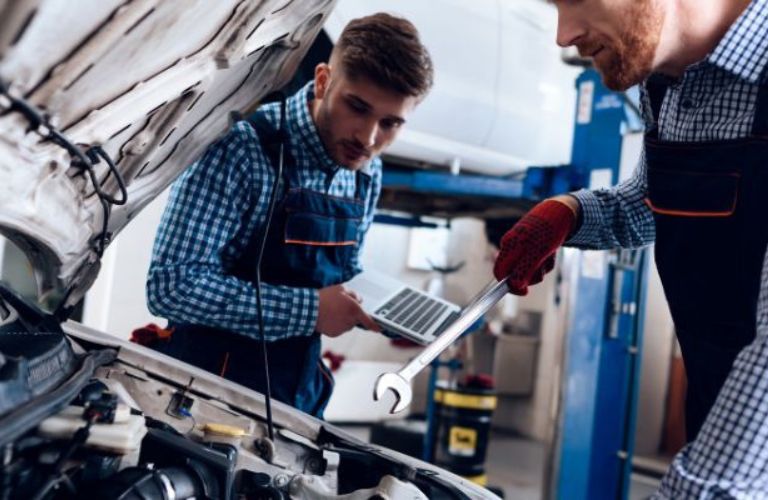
311	244
709	204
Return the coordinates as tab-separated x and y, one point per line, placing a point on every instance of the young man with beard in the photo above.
203	268
699	192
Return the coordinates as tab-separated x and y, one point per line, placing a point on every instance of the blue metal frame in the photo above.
429	444
396	220
596	145
602	374
429	181
580	387
635	343
538	183
601	371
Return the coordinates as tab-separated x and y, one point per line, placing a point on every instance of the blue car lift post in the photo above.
600	382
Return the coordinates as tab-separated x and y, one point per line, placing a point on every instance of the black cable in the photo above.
39	123
81	159
100	406
97	152
58	474
259	255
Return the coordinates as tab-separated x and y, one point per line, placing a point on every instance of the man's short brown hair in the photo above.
386	50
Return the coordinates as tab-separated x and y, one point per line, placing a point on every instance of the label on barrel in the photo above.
462	441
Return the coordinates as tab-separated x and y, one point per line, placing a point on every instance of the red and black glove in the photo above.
528	249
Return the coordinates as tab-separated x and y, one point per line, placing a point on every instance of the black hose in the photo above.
38	122
57	474
259	255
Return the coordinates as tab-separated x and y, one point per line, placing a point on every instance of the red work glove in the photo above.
336	360
150	335
528	249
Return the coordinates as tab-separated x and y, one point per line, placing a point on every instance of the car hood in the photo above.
147	82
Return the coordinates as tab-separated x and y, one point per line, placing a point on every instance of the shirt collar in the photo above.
303	127
744	49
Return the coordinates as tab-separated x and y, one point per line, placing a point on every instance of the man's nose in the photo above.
569	29
367	132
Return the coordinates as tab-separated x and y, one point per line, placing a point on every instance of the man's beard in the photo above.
323	125
331	143
324	130
630	58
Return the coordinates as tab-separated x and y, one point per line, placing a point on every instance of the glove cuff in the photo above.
559	214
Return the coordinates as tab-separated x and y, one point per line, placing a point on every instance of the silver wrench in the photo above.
400	382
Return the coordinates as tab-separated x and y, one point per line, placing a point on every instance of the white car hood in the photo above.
151	82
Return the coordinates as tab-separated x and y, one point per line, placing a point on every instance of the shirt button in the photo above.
688	104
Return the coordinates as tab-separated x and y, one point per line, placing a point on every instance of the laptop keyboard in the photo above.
413	310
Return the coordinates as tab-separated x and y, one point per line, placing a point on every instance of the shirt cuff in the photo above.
590	217
304	311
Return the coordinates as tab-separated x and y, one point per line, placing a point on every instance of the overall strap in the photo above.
362	185
270	139
760	126
656	86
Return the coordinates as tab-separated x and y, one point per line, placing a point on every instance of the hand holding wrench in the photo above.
400	382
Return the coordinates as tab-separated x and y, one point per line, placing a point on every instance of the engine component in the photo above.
36	354
215	462
389	487
258	485
122	436
221	433
172	483
180	405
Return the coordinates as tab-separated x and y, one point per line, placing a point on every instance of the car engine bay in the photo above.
122	423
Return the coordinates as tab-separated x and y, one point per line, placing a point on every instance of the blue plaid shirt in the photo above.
214	209
714	100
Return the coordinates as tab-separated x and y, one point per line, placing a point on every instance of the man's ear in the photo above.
322	80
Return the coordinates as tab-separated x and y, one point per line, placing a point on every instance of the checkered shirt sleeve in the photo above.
371	201
729	458
616	217
204	224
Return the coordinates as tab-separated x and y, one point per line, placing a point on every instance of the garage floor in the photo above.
516	465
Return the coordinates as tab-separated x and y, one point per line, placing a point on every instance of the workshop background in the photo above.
505	107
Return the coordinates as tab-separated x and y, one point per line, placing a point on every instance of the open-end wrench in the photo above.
400	382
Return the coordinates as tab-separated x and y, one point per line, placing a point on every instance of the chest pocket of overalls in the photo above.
320	234
681	193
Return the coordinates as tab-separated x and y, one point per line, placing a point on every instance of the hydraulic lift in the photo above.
591	451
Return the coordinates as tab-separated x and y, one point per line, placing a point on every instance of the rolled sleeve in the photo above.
589	230
370	211
615	217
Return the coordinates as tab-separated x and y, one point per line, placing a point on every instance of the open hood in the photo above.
144	84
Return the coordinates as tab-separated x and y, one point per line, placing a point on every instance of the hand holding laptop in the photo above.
401	309
339	311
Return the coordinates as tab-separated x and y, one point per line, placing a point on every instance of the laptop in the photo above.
401	309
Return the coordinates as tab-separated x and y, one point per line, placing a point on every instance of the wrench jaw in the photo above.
399	382
399	386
